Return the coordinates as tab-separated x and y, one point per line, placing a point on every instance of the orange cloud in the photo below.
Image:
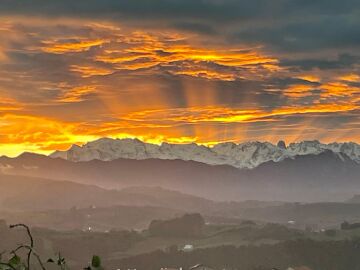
2	54
9	104
59	47
228	115
340	89
211	75
139	50
299	91
21	133
90	71
39	134
32	133
350	78
77	94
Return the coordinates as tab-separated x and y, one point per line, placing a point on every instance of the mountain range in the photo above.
314	177
245	155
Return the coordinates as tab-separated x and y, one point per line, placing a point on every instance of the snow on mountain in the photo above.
244	155
249	154
352	150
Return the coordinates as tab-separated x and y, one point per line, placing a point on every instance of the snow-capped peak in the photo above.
243	155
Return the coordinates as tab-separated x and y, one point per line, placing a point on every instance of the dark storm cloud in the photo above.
316	33
286	25
38	76
205	9
290	25
343	61
195	27
285	82
158	9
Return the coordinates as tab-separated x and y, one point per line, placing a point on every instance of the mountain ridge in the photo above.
244	155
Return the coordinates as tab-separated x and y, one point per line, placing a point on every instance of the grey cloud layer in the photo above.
203	9
281	26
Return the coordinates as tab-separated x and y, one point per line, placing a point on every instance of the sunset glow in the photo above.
68	79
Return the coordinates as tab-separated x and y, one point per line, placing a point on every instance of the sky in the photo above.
177	71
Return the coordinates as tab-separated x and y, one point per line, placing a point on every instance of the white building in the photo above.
188	248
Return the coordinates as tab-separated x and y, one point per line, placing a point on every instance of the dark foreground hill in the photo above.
245	246
329	255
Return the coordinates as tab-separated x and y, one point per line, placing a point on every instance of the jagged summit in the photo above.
281	144
243	155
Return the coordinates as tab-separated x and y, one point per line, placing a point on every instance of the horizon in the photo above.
48	153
